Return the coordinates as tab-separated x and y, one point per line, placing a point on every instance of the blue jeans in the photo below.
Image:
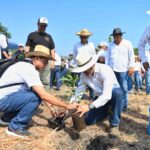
116	103
148	81
137	80
63	72
122	78
19	108
55	73
130	84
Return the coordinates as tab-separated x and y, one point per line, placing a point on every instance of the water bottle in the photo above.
148	129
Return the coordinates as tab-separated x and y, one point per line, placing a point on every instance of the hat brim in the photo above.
87	66
43	24
83	34
117	33
38	54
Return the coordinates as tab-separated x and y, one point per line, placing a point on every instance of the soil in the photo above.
132	136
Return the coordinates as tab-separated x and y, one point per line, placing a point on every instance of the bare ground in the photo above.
133	131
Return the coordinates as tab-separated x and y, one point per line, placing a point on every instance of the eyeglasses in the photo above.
44	60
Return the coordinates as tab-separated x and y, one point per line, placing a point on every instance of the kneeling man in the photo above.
108	93
21	92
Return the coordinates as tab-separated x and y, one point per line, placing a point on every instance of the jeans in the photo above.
137	80
148	81
130	84
55	73
98	114
63	72
19	108
122	78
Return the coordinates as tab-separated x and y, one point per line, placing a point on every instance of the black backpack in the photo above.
6	63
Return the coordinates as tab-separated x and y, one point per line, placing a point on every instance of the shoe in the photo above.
114	132
3	123
18	133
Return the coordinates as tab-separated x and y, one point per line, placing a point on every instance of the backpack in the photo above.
6	63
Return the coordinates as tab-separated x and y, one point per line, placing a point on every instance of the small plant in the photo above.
71	80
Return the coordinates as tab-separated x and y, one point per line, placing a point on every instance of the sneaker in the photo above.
18	133
114	132
3	123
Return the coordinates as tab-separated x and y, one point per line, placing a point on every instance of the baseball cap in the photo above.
43	21
103	44
20	45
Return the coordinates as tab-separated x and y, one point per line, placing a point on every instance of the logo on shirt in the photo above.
47	39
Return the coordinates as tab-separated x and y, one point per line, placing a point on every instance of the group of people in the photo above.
106	74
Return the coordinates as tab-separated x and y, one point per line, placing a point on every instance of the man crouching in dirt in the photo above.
108	93
19	102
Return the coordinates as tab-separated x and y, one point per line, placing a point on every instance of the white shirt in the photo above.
145	39
138	67
83	48
121	57
3	43
102	82
58	60
18	73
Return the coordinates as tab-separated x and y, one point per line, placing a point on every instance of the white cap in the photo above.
103	44
20	45
43	21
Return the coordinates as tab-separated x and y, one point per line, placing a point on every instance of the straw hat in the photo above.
84	62
84	32
40	51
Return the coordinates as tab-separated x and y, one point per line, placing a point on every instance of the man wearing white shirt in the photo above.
121	60
145	56
84	46
102	80
3	47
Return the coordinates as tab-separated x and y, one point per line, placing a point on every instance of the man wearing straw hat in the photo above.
102	80
121	60
24	92
84	46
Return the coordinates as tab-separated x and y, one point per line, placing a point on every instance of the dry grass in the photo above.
133	131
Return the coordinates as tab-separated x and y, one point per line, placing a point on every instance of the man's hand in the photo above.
131	71
146	65
82	109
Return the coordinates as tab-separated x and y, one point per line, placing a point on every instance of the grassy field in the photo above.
133	131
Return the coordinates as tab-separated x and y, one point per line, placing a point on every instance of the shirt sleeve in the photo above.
131	56
142	44
4	42
52	44
94	51
106	95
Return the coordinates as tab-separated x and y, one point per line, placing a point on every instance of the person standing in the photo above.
41	37
121	60
3	47
84	46
145	56
55	73
102	53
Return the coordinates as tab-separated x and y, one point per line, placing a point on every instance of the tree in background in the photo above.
136	51
4	31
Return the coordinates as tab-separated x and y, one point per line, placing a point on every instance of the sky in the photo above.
66	17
